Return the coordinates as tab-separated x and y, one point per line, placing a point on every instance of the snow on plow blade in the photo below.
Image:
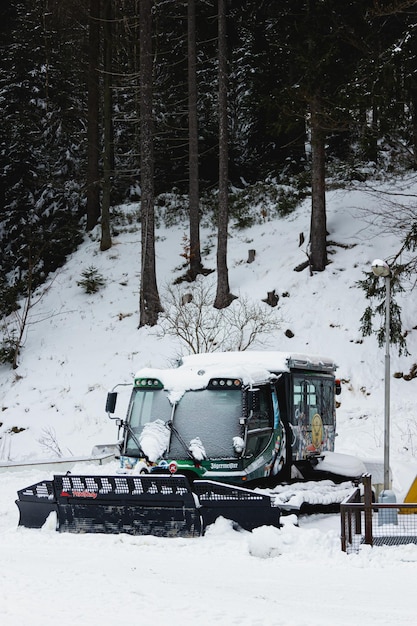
141	505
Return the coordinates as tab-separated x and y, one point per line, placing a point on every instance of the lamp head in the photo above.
380	268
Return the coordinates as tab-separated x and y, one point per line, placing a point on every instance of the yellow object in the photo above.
316	431
411	497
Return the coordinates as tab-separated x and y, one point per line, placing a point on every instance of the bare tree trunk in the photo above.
93	107
149	304
318	232
223	295
106	242
194	200
414	124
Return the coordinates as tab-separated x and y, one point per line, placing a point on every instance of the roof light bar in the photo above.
148	383
224	383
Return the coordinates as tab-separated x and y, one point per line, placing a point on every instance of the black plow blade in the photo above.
160	505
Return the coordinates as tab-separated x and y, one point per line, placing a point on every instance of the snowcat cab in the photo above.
240	418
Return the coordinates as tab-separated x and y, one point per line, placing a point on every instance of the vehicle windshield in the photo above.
145	406
211	415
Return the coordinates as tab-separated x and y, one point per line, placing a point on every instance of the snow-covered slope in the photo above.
78	346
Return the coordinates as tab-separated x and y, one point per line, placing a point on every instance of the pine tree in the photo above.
223	295
42	153
93	113
150	304
193	184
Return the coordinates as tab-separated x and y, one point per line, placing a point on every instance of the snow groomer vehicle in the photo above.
211	437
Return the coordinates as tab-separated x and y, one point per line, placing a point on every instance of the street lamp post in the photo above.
381	269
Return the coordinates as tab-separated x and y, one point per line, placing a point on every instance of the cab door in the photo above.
312	417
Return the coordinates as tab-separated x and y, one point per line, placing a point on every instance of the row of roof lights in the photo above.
149	383
225	382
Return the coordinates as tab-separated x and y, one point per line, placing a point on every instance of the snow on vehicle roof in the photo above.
252	367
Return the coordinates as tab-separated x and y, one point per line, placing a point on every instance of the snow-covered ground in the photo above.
78	346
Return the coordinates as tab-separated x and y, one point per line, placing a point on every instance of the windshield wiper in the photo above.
172	428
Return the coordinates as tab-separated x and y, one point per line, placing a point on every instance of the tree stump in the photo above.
251	256
271	298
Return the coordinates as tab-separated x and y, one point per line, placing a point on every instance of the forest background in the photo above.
202	107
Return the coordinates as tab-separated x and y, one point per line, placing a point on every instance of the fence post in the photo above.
358	515
343	529
367	498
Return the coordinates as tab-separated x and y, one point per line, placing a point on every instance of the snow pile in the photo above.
196	449
342	464
154	439
265	542
238	444
184	378
295	495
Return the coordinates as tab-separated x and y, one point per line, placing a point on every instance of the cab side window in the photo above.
310	396
327	402
262	417
260	424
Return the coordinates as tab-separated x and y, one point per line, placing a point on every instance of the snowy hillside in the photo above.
79	346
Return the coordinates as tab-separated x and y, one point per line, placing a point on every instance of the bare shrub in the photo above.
14	329
202	328
48	440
